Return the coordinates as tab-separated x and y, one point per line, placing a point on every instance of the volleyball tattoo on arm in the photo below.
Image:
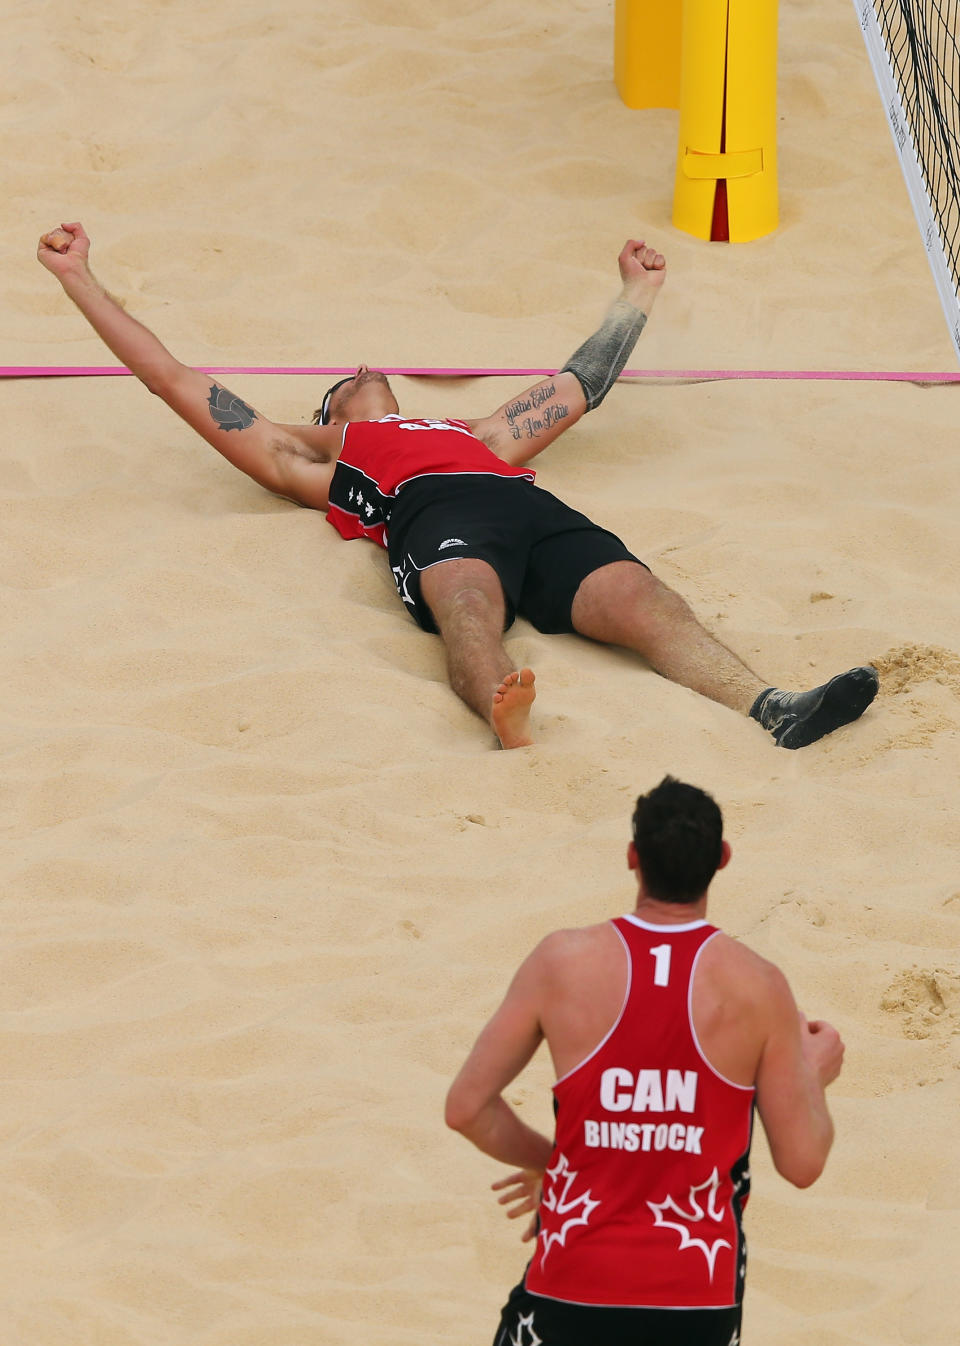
229	411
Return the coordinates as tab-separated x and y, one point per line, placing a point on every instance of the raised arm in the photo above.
291	465
526	424
799	1060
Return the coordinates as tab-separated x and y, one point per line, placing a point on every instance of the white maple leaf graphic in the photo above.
561	1203
532	1340
694	1215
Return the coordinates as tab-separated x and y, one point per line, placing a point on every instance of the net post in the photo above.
646	52
751	113
727	135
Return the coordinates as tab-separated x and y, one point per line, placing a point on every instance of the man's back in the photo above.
585	980
664	1034
744	1016
652	1141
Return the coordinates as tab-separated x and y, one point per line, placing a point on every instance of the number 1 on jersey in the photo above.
661	973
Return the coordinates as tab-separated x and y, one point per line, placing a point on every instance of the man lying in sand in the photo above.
472	541
664	1033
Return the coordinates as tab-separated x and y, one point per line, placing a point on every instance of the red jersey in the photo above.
648	1178
378	458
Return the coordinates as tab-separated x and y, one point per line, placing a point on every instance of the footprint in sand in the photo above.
926	1001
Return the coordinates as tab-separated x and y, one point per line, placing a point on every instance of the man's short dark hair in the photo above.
678	834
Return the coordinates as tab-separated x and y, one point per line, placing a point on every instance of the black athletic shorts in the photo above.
540	548
529	1319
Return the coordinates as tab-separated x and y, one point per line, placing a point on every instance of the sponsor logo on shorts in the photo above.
452	542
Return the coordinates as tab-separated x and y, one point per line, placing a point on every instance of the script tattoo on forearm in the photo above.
520	414
229	411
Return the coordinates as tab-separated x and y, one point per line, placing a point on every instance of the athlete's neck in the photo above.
655	912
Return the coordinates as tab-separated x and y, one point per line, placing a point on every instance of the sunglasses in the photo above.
325	404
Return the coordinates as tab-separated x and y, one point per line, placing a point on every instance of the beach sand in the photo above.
264	876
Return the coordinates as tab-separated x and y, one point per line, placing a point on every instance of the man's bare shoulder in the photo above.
561	948
560	943
747	971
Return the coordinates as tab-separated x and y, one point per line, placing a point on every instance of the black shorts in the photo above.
528	1318
541	549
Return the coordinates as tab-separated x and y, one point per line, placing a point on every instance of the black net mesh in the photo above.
922	38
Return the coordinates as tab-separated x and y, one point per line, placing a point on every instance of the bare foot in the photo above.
510	714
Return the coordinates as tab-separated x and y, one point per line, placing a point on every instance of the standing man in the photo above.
665	1034
471	540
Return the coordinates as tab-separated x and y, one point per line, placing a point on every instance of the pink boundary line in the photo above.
846	375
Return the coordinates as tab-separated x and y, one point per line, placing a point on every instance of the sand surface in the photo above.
264	876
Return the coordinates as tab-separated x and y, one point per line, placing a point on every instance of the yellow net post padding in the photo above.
715	60
646	52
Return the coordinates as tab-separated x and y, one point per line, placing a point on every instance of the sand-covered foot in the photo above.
798	718
510	714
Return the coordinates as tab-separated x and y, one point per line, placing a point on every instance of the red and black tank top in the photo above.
643	1197
378	458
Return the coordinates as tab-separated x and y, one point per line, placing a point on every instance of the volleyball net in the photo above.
914	48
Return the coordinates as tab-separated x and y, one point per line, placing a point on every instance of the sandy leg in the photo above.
510	712
623	604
